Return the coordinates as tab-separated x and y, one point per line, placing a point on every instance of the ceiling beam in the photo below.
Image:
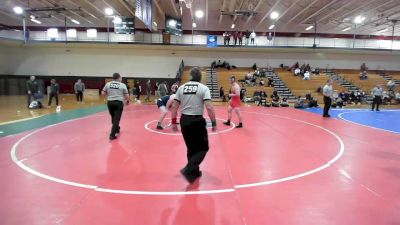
206	13
158	7
255	9
392	12
318	11
127	7
174	7
353	10
222	9
302	11
335	11
269	11
283	14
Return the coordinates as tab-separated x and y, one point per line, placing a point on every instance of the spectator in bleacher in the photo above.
363	67
219	64
385	98
307	68
363	75
270	82
243	94
227	38
284	102
252	36
262	82
214	65
235	37
302	68
327	92
275	99
240	37
257	97
306	75
312	103
337	102
293	67
79	88
315	71
391	85
299	104
397	97
222	94
319	89
377	94
297	71
308	96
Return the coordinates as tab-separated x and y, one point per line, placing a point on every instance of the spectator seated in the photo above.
299	104
364	75
297	72
275	99
306	75
284	102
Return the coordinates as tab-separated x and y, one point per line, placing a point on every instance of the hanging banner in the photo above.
144	12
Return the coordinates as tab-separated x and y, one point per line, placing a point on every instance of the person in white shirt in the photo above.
297	71
306	75
252	37
328	93
391	85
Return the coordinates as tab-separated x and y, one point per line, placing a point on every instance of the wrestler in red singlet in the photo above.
234	103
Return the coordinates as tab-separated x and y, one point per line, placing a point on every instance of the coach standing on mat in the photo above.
116	94
192	97
327	92
377	93
79	88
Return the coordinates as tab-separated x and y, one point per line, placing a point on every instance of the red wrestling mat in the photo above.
284	167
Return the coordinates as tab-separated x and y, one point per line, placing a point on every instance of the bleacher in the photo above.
223	76
366	85
300	87
186	75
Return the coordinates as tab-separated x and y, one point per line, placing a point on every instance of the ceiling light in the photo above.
199	14
271	27
310	27
71	33
75	21
194	25
36	21
359	19
117	19
109	11
18	10
91	33
274	15
155	24
52	33
233	26
346	29
384	30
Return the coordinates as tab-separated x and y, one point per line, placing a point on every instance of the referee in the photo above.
377	93
192	97
327	91
116	94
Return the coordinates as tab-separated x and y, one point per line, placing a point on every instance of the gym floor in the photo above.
286	166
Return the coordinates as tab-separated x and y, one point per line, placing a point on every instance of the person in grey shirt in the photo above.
327	91
163	89
54	91
377	93
192	97
79	88
116	92
32	88
148	90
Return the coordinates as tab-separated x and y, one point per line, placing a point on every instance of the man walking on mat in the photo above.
116	92
377	93
327	91
192	97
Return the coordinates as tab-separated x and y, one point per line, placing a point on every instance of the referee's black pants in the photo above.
115	108
327	105
194	133
376	101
